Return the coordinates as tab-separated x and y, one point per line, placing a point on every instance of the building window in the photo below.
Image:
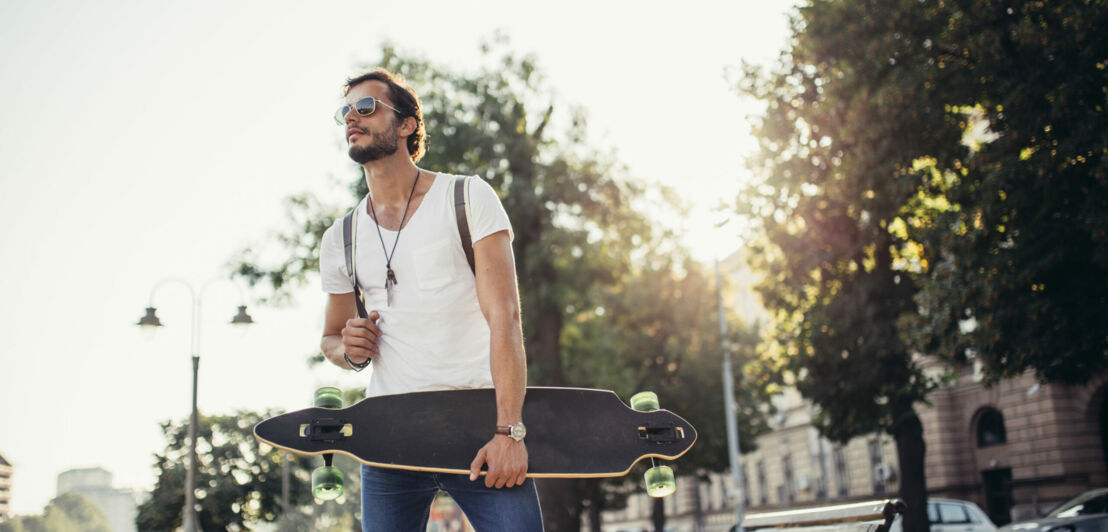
842	475
763	489
990	428
790	485
746	487
877	466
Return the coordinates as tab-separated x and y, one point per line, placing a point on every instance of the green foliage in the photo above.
570	206
973	134
916	160
935	182
239	481
1015	255
69	512
842	122
835	131
582	243
658	330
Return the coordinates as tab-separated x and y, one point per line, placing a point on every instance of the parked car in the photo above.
952	515
1084	513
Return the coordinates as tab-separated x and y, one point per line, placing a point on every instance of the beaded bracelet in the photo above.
356	366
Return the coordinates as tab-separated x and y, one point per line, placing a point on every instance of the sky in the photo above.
144	144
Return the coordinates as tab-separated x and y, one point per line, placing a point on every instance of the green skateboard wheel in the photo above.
644	401
660	481
327	483
328	397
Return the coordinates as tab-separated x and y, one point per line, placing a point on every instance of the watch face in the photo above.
518	431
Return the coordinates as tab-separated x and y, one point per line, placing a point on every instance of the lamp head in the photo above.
242	318
150	320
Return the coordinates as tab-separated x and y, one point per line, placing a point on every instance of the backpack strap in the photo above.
348	243
461	208
348	250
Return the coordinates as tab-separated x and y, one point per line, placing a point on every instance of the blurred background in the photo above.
889	214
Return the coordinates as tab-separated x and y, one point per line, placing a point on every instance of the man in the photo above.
431	323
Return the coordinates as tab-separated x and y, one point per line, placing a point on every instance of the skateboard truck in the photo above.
327	430
661	434
659	479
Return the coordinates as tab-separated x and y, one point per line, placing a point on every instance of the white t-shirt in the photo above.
433	336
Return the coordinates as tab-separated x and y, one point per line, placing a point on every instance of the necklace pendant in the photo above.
390	276
390	280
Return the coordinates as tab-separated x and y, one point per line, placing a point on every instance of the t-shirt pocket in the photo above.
435	265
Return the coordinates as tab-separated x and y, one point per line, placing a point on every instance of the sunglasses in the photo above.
364	107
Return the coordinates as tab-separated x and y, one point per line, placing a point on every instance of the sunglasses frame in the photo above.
340	114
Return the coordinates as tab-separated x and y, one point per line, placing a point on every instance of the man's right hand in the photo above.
360	338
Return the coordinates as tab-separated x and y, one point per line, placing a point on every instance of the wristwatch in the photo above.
515	431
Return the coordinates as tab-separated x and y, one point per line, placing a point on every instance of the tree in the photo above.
657	330
239	481
69	512
938	166
842	121
569	205
1014	250
580	231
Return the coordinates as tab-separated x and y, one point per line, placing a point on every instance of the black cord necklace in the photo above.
390	276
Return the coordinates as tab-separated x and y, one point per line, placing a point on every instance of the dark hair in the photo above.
405	101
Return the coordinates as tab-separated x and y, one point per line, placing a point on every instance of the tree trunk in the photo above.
558	500
910	452
658	515
698	510
544	348
596	504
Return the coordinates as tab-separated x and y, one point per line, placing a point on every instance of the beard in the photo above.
381	145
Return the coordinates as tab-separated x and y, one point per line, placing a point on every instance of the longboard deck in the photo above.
571	432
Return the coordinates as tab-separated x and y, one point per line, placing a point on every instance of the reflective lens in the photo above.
364	107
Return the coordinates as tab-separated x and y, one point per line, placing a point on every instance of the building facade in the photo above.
5	489
1015	448
120	506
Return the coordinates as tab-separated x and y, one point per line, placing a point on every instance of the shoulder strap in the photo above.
348	243
348	250
461	205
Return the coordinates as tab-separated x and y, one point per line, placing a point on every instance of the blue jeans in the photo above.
396	500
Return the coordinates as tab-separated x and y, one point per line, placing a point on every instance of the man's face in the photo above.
375	136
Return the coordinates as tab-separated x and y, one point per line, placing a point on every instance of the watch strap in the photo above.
515	431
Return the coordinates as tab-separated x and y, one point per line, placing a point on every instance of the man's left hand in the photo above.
507	460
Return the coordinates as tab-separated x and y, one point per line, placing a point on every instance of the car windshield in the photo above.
1092	502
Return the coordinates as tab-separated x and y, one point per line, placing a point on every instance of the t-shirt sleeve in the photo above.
332	262
488	213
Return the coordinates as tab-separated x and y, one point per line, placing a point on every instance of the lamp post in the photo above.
150	320
729	406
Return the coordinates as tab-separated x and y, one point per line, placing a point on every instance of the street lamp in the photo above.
729	406
738	492
151	322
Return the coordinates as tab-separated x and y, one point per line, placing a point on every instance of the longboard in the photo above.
571	432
